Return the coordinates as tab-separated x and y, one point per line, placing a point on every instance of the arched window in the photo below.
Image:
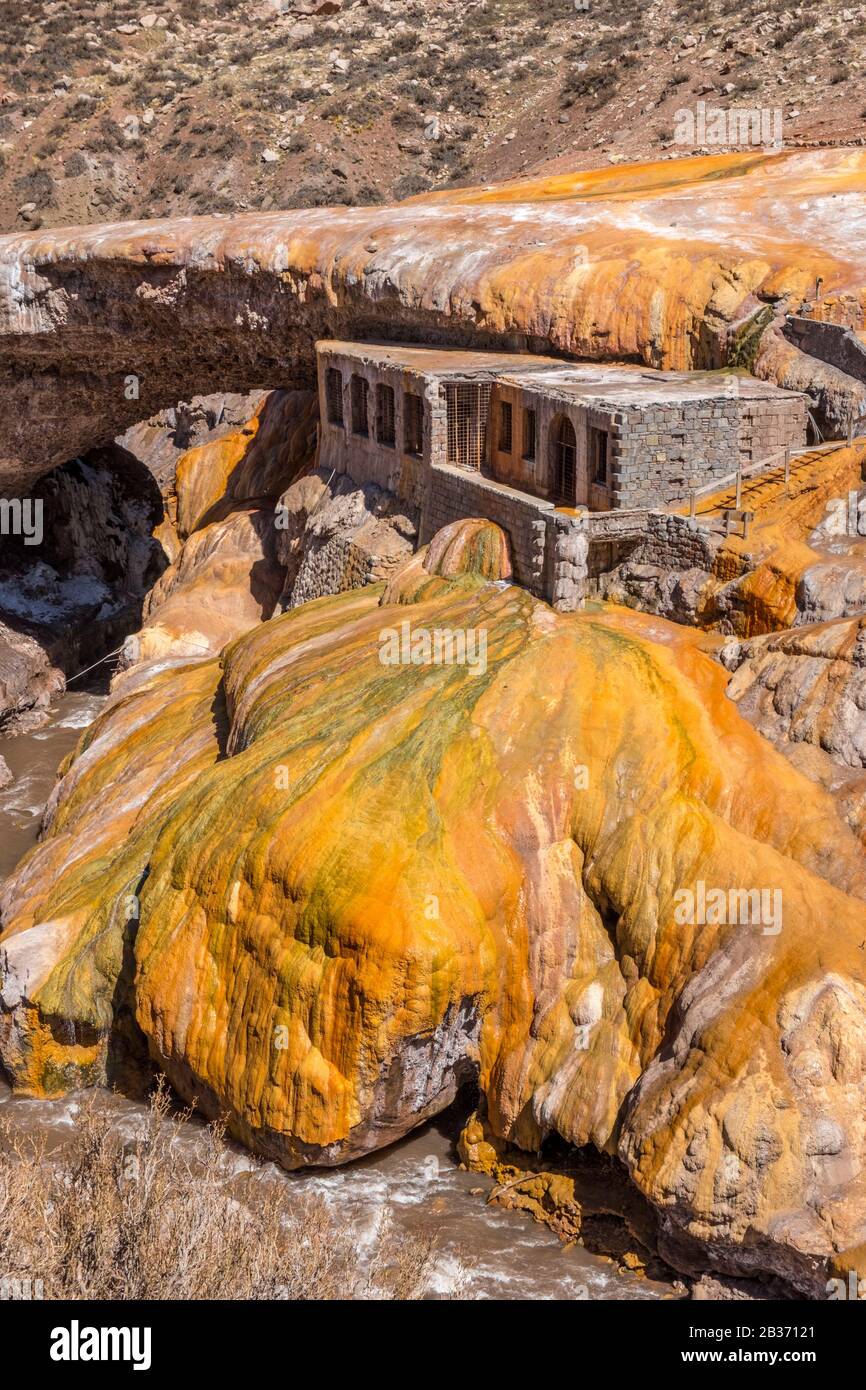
565	461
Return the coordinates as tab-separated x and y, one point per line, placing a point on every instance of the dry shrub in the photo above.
162	1218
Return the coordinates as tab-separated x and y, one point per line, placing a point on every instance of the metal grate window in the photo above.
598	455
334	394
413	423
565	463
359	405
529	428
385	415
505	430
468	407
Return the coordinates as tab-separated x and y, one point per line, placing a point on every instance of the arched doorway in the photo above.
564	461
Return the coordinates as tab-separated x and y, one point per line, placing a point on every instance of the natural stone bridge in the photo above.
103	326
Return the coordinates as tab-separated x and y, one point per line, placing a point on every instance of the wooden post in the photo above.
739	487
787	470
693	506
747	517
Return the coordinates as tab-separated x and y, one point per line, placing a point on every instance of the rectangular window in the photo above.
385	415
505	427
598	456
413	423
468	407
359	405
529	434
334	392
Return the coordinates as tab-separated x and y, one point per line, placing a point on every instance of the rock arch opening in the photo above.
106	532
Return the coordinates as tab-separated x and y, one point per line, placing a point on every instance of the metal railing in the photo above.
752	470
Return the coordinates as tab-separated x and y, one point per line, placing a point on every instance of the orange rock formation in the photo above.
357	881
658	263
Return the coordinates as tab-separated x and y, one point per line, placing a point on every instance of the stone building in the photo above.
544	448
595	436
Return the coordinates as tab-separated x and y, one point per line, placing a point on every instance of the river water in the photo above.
33	759
483	1252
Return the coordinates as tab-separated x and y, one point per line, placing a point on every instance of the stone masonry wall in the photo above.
830	342
676	543
555	553
658	453
843	309
363	457
771	426
455	493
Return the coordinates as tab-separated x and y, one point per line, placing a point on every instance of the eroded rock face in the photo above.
677	595
241	550
28	680
654	263
334	534
443	869
72	595
806	686
837	398
833	588
226	573
161	440
252	462
225	580
123	794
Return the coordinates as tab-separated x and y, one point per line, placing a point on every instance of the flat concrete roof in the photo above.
611	383
615	385
435	361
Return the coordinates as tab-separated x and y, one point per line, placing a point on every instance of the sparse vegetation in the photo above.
362	78
790	32
36	187
158	1217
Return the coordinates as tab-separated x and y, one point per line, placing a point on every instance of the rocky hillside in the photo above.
140	108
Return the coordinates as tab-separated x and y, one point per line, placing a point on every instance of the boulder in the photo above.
28	678
807	685
334	534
